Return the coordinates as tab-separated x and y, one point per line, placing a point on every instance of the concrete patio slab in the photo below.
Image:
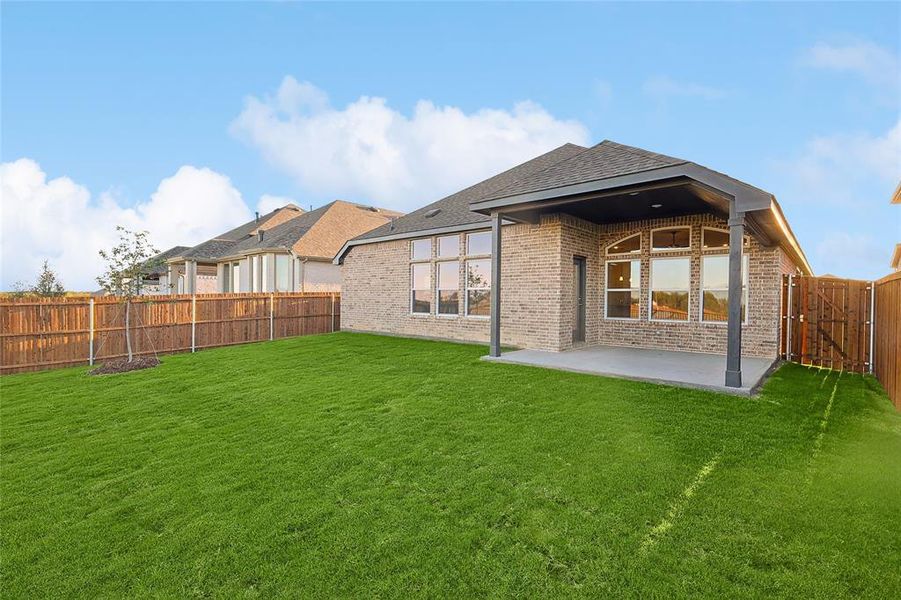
686	369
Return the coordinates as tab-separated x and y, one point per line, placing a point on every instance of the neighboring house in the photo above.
154	280
285	250
604	245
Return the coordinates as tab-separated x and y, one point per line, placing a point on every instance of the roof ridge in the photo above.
553	164
641	152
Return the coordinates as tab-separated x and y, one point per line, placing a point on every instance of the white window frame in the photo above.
264	274
431	242
608	289
469	254
447	257
439	289
236	277
431	287
607	251
662	250
745	284
466	286
286	258
651	289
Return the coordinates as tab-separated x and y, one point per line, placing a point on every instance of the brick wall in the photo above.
537	307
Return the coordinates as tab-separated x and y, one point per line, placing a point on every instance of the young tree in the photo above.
47	284
126	262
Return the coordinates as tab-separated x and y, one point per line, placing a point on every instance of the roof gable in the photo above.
607	159
454	210
222	244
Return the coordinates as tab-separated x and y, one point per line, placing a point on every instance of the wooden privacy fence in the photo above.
887	350
827	322
845	324
45	333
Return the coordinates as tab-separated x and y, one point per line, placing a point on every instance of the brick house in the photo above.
608	245
287	249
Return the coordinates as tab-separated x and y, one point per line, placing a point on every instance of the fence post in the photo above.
91	337
271	317
788	332
193	323
872	323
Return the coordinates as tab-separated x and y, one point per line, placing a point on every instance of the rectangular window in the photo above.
421	288
449	288
670	280
421	249
282	273
478	244
623	289
671	239
449	246
226	280
236	277
715	288
264	274
478	288
255	273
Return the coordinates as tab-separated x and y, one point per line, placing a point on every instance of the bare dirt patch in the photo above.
121	365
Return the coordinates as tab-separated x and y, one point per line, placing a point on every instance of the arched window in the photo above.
627	245
714	238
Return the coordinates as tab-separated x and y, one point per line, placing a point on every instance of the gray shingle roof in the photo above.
454	210
283	235
157	264
605	160
221	244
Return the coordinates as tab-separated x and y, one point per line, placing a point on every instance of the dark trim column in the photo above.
495	347
733	341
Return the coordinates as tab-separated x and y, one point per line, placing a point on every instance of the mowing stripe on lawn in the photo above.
824	421
679	505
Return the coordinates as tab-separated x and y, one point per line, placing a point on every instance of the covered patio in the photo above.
684	369
606	188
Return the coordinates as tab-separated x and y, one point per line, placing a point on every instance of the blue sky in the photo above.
132	112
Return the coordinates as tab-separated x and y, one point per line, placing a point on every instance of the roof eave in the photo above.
339	258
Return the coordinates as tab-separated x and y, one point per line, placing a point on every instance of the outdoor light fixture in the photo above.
656	205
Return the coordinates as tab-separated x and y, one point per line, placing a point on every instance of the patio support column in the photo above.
495	346
733	341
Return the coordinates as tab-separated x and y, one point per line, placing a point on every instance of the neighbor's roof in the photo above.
896	257
319	233
454	210
158	263
220	245
896	197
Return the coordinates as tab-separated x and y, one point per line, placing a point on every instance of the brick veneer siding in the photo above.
375	294
537	290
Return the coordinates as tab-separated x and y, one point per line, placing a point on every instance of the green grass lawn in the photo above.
357	465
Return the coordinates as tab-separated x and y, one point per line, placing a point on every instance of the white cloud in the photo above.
835	169
268	203
663	87
58	220
870	61
370	152
854	255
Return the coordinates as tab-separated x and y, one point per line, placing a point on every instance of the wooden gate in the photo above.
827	322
